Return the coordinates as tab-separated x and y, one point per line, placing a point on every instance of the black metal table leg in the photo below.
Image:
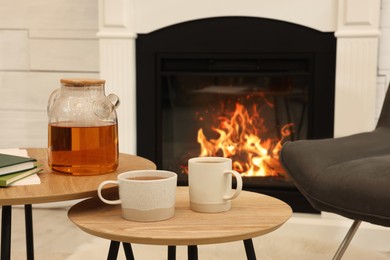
192	253
6	216
128	251
29	231
113	251
249	250
171	252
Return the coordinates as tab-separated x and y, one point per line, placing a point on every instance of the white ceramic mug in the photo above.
144	195
210	184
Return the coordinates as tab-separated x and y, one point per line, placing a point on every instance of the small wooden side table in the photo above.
54	187
252	214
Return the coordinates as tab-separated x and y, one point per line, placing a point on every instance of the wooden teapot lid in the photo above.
82	82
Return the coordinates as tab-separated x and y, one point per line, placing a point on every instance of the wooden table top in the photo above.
252	214
57	187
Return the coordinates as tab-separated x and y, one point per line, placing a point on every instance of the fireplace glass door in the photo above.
243	109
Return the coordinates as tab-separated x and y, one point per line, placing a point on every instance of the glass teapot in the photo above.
82	128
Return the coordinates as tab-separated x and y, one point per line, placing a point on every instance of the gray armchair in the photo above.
349	176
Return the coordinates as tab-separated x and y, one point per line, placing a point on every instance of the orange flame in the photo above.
239	138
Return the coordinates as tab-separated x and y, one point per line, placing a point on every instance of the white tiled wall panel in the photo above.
23	128
14	50
64	55
41	41
49	14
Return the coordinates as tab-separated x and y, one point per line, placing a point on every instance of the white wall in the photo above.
384	53
42	41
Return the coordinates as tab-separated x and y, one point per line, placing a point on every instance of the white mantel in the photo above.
354	22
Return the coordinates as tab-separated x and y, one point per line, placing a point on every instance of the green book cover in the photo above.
12	163
7	179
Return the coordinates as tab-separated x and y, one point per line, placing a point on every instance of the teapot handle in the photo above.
114	99
52	98
103	108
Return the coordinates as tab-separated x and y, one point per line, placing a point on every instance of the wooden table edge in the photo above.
180	241
30	196
53	198
176	242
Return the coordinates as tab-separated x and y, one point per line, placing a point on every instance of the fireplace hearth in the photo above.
198	81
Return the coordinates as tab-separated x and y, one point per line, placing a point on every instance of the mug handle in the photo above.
99	191
238	188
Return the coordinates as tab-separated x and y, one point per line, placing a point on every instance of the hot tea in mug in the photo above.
144	195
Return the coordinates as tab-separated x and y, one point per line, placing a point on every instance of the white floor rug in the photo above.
267	248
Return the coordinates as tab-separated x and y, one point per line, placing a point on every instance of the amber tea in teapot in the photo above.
83	129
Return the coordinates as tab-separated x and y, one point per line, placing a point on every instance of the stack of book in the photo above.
14	168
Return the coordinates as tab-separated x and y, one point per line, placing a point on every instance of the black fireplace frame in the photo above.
231	37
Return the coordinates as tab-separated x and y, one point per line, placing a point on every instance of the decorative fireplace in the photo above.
202	92
355	24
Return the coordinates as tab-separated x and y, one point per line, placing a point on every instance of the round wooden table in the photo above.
55	187
252	214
